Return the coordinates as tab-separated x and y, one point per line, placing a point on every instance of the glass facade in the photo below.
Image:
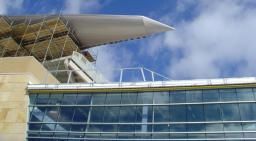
216	114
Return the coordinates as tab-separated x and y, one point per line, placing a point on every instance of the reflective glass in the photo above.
66	114
42	99
161	113
248	111
98	98
178	113
111	114
129	98
214	127
83	99
114	98
245	94
230	112
127	114
194	96
214	135
178	128
37	114
51	114
95	116
195	113
32	98
195	127
178	96
55	99
211	95
78	127
48	127
161	97
126	128
145	98
212	112
69	99
232	127
249	126
161	128
228	95
144	114
81	114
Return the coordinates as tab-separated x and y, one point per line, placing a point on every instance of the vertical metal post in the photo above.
142	73
152	75
24	34
37	35
69	76
49	44
8	42
121	76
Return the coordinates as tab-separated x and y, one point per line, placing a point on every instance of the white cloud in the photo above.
218	42
111	58
7	5
81	6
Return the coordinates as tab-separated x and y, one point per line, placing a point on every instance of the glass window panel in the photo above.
249	135
193	96
228	95
195	113
76	135
249	126
230	112
161	113
212	112
111	114
232	127
214	127
42	99
195	127
108	136
161	128
113	98
51	114
245	94
129	98
81	114
178	136
33	126
98	98
78	127
37	113
161	135
145	98
234	135
95	116
61	135
178	113
83	99
178	128
127	114
196	136
109	128
62	127
143	128
125	136
126	128
161	97
248	111
32	98
211	95
215	135
55	99
46	134
48	127
95	128
66	114
144	114
178	96
69	99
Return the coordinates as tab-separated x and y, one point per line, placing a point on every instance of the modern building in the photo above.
50	89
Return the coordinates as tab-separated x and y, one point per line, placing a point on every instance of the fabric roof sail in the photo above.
94	30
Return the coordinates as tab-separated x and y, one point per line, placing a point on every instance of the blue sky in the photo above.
212	38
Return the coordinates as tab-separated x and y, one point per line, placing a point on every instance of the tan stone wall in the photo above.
15	74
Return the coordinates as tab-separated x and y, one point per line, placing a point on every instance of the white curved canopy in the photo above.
94	30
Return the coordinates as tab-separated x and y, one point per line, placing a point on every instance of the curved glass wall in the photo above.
219	114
